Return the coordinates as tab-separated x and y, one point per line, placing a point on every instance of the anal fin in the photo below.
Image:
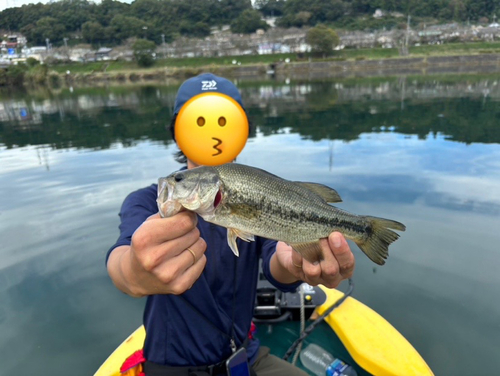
311	251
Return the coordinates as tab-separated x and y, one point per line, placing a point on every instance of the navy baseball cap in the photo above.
205	83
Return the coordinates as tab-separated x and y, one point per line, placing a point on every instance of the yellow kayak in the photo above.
373	343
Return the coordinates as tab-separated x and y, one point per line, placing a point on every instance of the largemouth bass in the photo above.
249	201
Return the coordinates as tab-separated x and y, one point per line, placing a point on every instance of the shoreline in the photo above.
486	63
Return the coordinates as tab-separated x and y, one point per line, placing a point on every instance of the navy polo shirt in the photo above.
194	328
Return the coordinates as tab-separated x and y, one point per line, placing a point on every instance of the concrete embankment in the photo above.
482	63
487	63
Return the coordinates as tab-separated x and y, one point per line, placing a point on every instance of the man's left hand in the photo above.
337	265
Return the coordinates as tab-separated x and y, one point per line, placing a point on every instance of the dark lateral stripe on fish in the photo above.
336	223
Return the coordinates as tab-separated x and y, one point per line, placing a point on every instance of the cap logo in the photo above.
209	85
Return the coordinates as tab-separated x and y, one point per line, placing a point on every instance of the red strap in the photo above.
132	361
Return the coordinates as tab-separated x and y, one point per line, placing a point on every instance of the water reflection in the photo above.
422	151
97	118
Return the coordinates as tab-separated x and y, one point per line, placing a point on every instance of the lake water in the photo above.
424	151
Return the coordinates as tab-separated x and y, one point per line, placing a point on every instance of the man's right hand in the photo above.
166	257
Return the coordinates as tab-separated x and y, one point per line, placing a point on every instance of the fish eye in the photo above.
222	121
200	121
178	177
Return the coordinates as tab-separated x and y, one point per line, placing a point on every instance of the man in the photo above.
200	296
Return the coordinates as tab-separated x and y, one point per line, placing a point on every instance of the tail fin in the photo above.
376	244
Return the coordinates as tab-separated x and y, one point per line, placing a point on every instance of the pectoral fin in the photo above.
233	234
311	251
326	193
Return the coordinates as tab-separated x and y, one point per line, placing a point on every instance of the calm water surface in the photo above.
424	151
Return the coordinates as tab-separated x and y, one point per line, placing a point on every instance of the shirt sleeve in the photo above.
136	208
268	249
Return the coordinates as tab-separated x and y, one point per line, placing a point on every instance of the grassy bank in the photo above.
346	54
350	60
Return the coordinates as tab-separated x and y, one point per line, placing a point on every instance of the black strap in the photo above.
154	369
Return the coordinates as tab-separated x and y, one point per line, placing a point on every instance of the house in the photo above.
103	53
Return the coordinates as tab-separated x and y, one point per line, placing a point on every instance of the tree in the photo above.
71	13
302	18
45	28
146	9
363	6
480	8
124	27
248	22
318	11
270	8
229	10
143	52
322	39
93	32
108	9
198	29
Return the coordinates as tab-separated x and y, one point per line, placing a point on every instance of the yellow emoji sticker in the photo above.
211	129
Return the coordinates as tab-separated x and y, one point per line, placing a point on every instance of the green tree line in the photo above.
311	12
111	22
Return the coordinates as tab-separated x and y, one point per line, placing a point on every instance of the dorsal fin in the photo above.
328	194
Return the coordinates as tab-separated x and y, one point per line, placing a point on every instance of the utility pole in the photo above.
406	49
163	44
66	47
407	31
47	40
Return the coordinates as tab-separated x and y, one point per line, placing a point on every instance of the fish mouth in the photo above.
219	141
167	206
162	196
170	202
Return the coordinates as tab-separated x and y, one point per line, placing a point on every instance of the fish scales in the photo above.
281	210
275	210
249	201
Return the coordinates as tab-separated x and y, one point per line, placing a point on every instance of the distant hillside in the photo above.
112	22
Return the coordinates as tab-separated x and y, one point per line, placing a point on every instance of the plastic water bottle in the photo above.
320	362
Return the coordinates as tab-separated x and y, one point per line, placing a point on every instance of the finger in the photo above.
192	254
330	268
312	272
159	230
342	253
163	252
179	274
296	261
170	269
189	277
